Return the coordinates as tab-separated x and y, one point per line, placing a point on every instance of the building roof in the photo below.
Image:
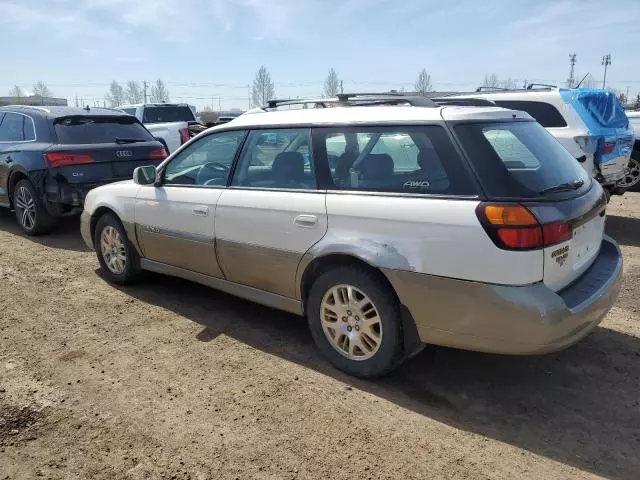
368	115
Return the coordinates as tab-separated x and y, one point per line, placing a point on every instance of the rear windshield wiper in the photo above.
130	140
564	187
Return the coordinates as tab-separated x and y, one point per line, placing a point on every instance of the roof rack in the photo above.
543	85
491	89
355	99
464	102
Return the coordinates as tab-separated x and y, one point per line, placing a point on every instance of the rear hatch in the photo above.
539	197
101	149
609	132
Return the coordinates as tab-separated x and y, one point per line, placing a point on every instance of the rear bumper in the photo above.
64	198
510	320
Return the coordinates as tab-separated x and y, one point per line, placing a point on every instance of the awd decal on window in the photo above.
416	184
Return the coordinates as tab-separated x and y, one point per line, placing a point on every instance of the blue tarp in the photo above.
604	117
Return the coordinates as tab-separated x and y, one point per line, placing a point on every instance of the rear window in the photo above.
545	114
520	160
169	113
402	159
81	129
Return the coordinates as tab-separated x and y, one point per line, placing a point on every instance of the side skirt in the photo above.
248	293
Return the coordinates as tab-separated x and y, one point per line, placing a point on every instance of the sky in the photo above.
207	51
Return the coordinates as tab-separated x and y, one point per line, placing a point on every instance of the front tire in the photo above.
354	319
119	259
30	212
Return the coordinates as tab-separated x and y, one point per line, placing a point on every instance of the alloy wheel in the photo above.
26	207
351	322
113	251
632	178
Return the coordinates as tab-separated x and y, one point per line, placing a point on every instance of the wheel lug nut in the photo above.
344	319
357	328
357	318
349	328
349	312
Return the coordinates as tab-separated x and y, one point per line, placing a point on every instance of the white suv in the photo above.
590	123
388	227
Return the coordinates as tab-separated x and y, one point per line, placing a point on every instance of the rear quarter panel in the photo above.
119	197
433	236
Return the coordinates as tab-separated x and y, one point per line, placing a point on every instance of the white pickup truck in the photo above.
168	122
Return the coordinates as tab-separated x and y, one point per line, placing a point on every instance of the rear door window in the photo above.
12	128
520	160
394	159
169	113
88	129
545	114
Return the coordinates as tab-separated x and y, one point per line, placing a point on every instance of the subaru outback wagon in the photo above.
388	227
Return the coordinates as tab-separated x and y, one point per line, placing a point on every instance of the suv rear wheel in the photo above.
355	321
631	181
30	212
119	260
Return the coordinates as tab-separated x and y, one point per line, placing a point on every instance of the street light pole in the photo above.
606	61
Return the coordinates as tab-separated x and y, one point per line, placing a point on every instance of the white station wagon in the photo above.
388	227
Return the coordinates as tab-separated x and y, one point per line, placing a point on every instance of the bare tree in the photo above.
263	89
637	102
331	84
509	83
16	92
115	96
40	89
423	84
159	93
133	92
491	81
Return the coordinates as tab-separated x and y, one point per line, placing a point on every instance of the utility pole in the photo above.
341	87
145	91
525	85
627	95
572	68
606	61
219	104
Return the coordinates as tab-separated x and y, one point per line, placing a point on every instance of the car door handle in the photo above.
307	221
200	210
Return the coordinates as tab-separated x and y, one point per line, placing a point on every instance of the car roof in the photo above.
533	94
136	105
57	112
368	115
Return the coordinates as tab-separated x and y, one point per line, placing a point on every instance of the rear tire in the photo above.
631	182
355	321
119	259
30	212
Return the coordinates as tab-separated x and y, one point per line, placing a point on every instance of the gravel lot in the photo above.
173	380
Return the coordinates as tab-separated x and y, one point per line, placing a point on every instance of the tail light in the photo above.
157	154
184	135
514	227
64	159
607	147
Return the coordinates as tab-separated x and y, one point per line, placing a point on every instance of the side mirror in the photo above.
145	175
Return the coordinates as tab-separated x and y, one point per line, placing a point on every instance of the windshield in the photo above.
167	113
81	129
521	160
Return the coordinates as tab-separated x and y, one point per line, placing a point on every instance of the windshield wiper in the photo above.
564	187
130	140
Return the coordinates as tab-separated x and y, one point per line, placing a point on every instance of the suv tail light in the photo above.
64	159
607	147
184	135
157	154
514	227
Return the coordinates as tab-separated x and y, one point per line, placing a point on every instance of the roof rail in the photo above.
33	107
543	85
275	103
464	102
491	89
385	98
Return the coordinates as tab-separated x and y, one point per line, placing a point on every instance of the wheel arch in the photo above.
313	267
14	177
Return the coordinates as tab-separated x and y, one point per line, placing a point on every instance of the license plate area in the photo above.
584	243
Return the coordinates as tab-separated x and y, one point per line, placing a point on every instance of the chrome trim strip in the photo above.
179	235
248	293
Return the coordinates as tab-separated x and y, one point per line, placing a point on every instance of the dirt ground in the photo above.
171	380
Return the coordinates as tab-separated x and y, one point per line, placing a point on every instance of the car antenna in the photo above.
87	108
580	82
